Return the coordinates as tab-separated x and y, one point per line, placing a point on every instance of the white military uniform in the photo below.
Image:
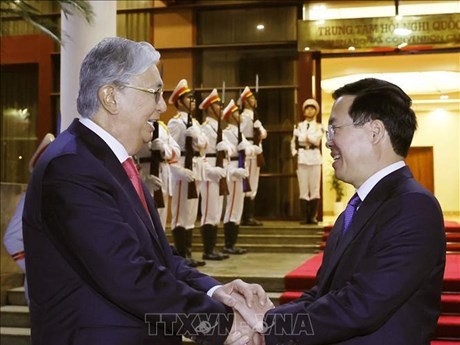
234	207
236	172
247	128
183	210
211	201
170	151
13	239
308	158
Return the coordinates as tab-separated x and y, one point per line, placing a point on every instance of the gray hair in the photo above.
114	60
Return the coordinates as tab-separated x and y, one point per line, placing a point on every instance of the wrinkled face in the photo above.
138	108
309	112
351	145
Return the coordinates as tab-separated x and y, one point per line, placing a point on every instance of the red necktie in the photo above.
133	175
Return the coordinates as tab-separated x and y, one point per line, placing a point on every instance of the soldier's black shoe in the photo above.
234	250
195	263
251	222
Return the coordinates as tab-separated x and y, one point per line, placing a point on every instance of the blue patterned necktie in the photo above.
350	211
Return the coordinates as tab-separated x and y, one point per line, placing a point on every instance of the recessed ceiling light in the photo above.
306	49
260	26
351	48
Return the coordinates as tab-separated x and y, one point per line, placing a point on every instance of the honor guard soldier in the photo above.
185	174
158	153
13	239
237	177
212	194
250	124
305	143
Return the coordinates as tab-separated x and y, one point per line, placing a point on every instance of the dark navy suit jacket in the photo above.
379	284
100	269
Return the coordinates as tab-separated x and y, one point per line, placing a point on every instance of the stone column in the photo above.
78	37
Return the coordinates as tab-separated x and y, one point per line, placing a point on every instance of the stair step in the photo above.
14	316
450	304
264	239
16	296
269	248
15	336
448	327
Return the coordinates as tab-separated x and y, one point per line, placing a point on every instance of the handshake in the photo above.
250	303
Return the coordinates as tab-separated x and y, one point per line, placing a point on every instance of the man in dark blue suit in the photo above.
100	269
381	277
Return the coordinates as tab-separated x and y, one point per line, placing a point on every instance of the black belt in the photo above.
311	147
249	138
211	155
149	160
234	158
195	153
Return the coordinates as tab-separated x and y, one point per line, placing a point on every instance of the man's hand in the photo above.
254	314
215	173
153	182
251	294
182	173
240	333
193	132
240	173
224	146
157	145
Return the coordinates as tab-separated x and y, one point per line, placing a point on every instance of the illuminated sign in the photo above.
386	32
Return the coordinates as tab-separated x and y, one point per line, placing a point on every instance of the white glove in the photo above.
153	182
257	124
157	145
256	150
215	173
223	146
182	173
242	146
193	132
293	152
296	132
240	173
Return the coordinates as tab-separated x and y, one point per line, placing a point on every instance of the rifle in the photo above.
257	140
297	145
256	134
220	155
191	191
242	159
155	160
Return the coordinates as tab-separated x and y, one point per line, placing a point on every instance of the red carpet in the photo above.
448	332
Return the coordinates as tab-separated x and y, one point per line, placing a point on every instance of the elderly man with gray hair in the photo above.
100	269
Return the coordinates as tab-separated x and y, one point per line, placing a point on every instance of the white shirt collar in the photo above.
370	183
117	148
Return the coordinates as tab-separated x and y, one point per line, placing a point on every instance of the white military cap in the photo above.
244	96
181	89
311	102
229	110
213	97
40	149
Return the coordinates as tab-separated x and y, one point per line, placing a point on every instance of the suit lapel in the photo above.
378	195
100	149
